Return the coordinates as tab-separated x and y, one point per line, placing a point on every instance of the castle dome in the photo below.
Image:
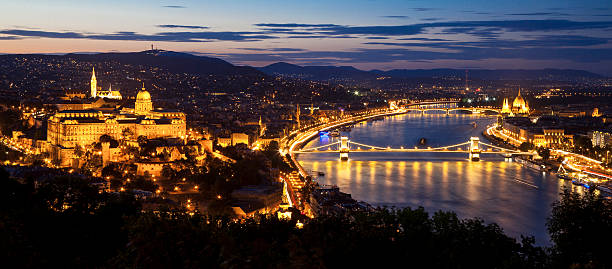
143	103
143	95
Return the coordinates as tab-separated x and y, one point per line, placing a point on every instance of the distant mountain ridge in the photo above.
178	62
350	73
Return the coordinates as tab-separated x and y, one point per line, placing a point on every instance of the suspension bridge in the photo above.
474	148
448	111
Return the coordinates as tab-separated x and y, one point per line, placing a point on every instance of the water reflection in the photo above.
492	189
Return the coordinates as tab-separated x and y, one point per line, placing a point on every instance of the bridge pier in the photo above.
344	148
474	149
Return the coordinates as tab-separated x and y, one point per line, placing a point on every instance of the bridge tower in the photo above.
344	148
474	149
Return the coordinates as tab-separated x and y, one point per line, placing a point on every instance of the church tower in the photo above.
94	83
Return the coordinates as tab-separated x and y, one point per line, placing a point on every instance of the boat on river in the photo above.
565	177
422	141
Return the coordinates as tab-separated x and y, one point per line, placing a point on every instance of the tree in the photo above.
127	134
78	151
578	225
167	172
544	153
526	146
142	140
582	142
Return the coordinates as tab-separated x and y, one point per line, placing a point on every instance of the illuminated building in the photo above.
506	107
601	139
596	113
523	130
519	105
143	105
110	94
68	129
93	83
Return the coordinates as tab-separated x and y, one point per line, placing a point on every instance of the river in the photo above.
515	197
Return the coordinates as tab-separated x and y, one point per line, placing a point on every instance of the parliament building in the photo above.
519	106
68	129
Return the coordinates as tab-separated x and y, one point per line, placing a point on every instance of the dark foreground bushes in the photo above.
67	224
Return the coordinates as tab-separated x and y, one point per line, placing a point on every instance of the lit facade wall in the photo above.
601	139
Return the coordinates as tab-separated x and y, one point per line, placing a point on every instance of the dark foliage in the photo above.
66	223
580	227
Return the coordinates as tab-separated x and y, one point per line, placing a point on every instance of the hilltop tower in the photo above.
94	83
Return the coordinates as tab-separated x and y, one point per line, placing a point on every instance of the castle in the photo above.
68	129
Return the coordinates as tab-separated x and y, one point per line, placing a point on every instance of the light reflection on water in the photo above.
439	181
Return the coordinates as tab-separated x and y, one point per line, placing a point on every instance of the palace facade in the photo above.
68	129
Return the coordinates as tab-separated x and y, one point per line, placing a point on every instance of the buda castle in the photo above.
70	128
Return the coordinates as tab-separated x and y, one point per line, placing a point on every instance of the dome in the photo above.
143	96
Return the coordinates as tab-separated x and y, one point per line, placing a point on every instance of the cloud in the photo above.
391	55
485	28
273	49
174	6
9	38
539	14
423	39
536	41
133	36
396	17
423	9
174	26
294	25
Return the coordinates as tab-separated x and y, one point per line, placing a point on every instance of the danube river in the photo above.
515	197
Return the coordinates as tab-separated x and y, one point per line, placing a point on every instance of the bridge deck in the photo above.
413	150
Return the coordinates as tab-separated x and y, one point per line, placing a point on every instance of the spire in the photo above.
519	93
94	83
143	87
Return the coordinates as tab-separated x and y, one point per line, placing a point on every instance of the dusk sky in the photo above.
366	34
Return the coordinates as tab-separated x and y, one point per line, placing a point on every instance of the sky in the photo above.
367	34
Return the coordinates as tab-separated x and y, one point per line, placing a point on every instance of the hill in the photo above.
176	62
350	73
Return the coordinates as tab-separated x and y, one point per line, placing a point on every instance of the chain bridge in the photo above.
474	148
